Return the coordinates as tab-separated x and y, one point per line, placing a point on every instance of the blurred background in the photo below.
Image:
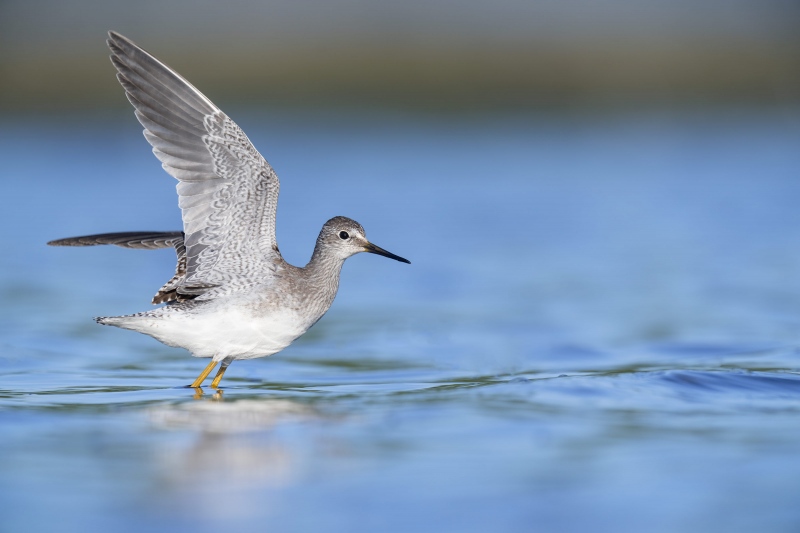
441	55
599	330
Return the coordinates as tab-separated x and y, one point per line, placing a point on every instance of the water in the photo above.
600	330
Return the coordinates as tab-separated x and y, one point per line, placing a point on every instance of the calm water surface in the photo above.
600	330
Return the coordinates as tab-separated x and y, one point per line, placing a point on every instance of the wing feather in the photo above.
143	240
172	290
227	191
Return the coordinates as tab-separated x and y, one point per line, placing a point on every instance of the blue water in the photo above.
599	331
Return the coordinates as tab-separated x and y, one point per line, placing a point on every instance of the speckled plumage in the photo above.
232	296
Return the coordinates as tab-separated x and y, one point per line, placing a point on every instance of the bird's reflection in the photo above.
231	416
235	446
199	393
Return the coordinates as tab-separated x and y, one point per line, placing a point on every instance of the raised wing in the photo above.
228	193
142	240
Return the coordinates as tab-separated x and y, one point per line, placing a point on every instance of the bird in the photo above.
232	296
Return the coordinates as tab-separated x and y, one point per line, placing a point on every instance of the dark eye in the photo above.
344	235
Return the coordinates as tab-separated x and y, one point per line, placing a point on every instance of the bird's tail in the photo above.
125	321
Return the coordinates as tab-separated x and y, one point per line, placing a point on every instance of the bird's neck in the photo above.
323	271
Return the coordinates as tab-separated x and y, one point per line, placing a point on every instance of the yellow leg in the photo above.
204	374
218	377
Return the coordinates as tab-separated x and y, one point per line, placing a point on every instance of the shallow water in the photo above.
600	329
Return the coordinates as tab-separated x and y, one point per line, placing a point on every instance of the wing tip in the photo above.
115	38
68	241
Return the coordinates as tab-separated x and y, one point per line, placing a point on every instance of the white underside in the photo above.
222	332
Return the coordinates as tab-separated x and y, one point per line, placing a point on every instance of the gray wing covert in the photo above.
227	191
169	291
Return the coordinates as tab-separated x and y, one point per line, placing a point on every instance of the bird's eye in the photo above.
344	235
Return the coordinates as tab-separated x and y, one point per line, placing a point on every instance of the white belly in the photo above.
223	331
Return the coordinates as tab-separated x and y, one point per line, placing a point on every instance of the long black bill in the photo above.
371	248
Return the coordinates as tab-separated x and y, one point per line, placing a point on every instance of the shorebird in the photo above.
233	296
